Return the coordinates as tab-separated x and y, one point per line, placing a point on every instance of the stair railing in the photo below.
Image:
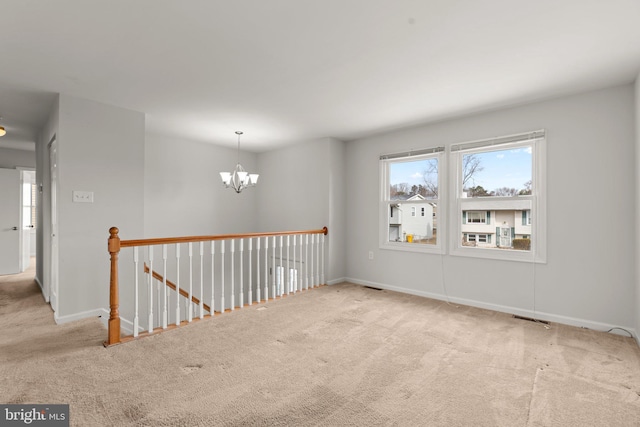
273	265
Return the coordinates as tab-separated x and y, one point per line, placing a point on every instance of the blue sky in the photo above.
502	168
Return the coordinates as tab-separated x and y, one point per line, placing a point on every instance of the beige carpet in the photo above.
335	356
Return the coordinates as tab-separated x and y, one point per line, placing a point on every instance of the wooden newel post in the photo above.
114	316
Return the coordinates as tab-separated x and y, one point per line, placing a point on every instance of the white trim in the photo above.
98	312
336	281
385	202
550	317
500	140
536	202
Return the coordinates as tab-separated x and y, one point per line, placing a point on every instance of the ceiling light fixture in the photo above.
239	179
2	131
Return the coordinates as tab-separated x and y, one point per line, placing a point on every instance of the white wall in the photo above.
589	278
11	158
100	149
184	194
637	212
301	187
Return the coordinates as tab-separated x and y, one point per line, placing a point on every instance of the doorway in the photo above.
17	220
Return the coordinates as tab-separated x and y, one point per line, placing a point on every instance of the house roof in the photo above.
286	71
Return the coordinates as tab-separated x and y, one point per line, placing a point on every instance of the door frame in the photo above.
51	288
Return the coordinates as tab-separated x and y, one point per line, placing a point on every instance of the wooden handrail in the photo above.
173	286
186	239
115	244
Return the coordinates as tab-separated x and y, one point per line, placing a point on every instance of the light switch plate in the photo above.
82	196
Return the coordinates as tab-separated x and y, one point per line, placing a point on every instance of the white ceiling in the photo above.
285	71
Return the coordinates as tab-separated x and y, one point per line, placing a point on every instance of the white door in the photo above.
10	227
25	217
53	159
505	237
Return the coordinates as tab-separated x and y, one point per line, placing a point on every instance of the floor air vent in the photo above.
371	287
530	319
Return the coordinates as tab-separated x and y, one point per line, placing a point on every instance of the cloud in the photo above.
417	175
500	156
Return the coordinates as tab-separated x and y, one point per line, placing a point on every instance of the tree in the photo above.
477	191
430	178
471	165
505	191
400	189
527	189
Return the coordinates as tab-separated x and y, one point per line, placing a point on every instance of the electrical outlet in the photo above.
370	254
82	196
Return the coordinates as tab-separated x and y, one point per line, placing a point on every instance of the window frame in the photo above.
537	199
439	215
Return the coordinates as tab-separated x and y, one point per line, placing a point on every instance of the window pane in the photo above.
504	224
406	226
415	177
497	173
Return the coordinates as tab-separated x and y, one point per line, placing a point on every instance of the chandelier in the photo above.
239	179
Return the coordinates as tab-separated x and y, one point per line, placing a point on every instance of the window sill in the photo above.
499	254
412	247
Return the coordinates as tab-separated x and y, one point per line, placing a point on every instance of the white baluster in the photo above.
312	245
250	298
150	325
288	272
266	268
222	276
258	299
136	321
164	287
317	260
273	271
178	319
233	292
301	263
190	301
306	262
213	271
322	278
281	281
293	275
241	297
201	305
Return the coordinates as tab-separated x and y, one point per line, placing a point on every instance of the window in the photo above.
477	238
493	192
476	217
499	191
29	205
410	200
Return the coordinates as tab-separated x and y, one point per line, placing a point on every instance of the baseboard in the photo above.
98	312
550	317
336	281
39	283
125	325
